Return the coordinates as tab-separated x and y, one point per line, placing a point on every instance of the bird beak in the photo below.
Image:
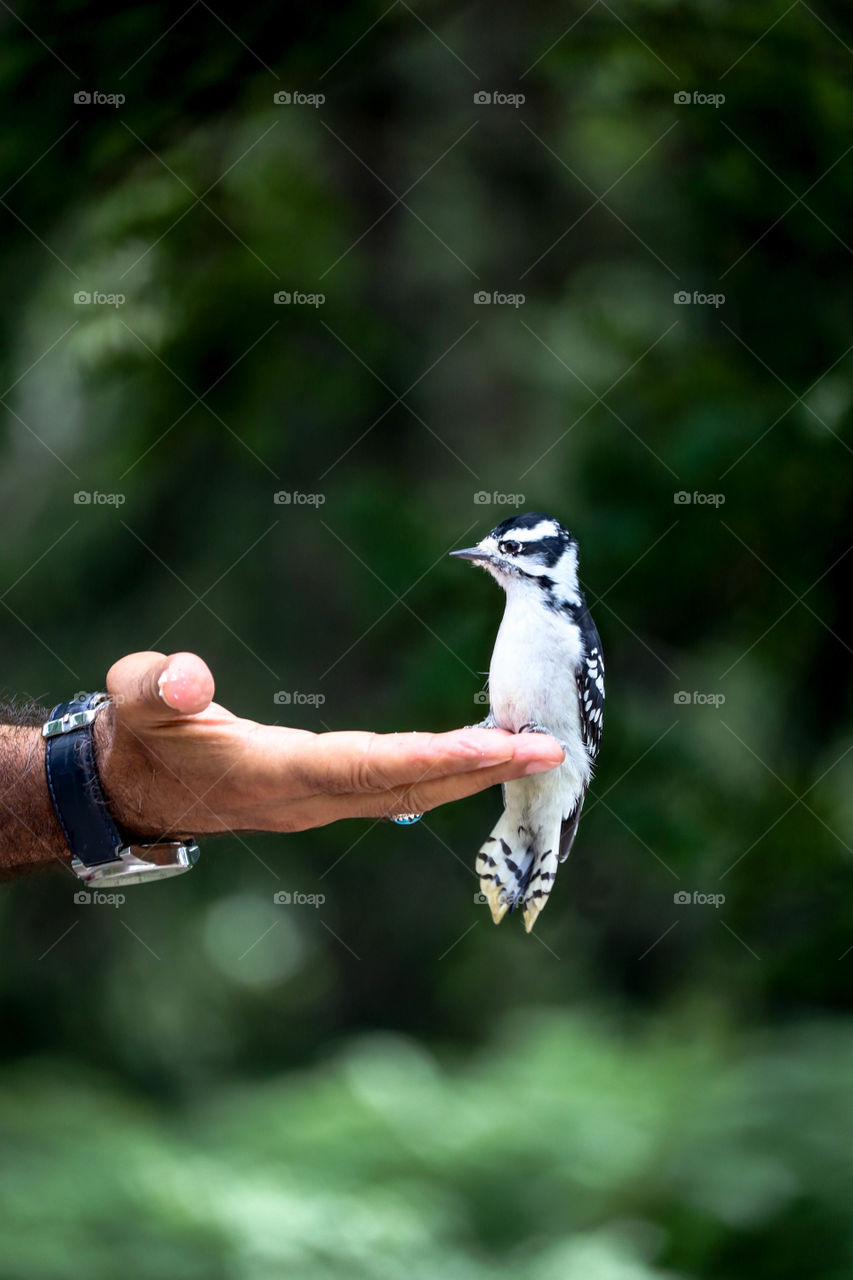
472	553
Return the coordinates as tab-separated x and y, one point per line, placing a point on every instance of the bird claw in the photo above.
533	726
488	723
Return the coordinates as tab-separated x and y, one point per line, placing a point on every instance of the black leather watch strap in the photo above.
75	787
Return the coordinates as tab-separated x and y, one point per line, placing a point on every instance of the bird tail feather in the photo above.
517	868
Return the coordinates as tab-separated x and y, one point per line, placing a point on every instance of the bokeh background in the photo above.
204	1082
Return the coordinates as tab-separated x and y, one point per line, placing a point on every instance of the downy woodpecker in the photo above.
546	676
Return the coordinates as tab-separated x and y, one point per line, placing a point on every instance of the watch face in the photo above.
139	864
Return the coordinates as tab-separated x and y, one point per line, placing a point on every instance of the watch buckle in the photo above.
139	863
74	719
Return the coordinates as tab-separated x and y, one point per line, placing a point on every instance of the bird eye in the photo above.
509	548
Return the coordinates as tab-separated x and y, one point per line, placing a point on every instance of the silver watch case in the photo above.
140	863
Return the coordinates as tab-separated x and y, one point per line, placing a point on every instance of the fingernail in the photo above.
171	676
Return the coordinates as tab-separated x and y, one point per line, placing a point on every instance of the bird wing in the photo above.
569	827
590	682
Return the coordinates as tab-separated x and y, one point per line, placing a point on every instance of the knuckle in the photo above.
388	804
365	776
384	804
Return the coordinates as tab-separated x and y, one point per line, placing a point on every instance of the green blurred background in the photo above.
204	1082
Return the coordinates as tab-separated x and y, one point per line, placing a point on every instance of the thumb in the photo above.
152	686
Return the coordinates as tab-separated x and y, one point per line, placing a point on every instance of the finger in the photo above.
356	762
437	791
153	687
420	798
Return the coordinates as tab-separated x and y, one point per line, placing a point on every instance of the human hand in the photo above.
173	762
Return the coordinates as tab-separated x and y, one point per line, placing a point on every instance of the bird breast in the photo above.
532	674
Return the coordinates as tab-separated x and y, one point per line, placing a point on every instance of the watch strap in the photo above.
92	833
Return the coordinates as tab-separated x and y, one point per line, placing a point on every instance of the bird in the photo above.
546	676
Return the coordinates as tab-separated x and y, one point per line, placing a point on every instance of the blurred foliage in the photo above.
570	1150
397	401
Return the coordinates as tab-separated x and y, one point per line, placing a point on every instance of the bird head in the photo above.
530	549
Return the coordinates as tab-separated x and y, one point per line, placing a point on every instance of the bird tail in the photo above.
517	867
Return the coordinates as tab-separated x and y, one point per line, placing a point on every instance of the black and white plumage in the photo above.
546	676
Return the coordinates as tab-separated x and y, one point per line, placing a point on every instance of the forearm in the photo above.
30	836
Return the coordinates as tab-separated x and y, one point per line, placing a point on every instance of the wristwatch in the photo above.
100	849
